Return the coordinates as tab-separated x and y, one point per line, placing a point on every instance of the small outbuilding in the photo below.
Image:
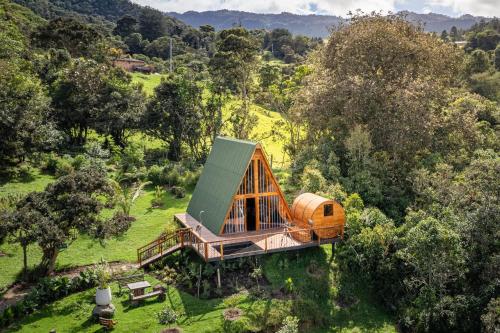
326	216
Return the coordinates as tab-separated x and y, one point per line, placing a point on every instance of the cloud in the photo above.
459	7
330	7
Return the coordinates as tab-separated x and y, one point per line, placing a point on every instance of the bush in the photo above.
64	166
50	163
191	178
290	325
48	290
173	176
156	175
167	316
312	180
131	158
178	191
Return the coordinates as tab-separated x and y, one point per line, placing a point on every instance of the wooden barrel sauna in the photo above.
325	216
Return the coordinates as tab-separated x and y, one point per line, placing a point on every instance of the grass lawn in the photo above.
149	81
72	314
36	182
84	250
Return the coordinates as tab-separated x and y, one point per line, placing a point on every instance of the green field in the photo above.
84	250
71	314
148	81
266	120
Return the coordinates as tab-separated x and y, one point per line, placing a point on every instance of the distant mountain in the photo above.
309	25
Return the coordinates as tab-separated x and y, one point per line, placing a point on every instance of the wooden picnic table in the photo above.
138	288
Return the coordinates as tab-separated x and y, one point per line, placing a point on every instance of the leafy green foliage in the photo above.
24	115
174	115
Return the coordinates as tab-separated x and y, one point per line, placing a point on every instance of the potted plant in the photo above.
103	291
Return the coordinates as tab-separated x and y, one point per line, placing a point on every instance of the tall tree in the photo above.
152	24
49	218
90	95
232	67
388	75
79	39
25	125
174	114
126	26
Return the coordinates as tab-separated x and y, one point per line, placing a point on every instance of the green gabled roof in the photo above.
219	181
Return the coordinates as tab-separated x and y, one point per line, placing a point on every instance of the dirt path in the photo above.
17	291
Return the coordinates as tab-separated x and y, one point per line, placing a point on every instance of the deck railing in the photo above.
287	238
161	244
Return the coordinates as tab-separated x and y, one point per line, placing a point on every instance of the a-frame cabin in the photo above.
238	209
237	191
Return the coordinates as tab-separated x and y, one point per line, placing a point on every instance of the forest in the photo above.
399	125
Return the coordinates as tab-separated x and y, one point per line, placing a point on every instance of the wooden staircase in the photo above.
164	245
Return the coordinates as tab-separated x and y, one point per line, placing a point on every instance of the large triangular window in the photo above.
259	203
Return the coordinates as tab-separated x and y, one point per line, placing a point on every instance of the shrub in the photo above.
79	161
290	325
24	171
64	166
167	316
48	290
173	176
240	325
156	175
132	158
178	191
191	178
312	180
50	164
289	285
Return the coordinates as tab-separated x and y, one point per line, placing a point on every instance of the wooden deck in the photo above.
213	247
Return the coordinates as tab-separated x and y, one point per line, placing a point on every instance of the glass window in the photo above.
328	210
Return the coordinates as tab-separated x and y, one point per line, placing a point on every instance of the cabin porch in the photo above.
213	247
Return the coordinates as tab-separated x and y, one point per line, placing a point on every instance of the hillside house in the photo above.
133	65
238	209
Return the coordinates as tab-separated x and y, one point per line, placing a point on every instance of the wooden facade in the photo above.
314	211
258	203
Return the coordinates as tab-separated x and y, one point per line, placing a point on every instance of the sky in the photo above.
332	7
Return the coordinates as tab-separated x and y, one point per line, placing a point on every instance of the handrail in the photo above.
164	237
186	237
285	230
157	246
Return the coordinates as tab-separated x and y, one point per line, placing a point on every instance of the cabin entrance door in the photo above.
250	214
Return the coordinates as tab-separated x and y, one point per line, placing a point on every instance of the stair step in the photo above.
160	255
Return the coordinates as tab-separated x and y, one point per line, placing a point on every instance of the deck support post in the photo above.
333	249
219	284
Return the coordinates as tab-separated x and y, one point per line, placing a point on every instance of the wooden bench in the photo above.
157	291
108	324
124	280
